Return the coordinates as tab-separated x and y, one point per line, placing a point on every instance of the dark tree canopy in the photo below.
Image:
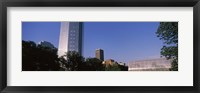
38	58
168	32
72	60
94	64
114	67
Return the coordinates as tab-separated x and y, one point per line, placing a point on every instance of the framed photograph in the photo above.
99	46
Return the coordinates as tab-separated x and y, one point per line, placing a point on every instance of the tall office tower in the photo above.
71	36
99	54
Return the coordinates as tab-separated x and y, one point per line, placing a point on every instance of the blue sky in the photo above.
121	41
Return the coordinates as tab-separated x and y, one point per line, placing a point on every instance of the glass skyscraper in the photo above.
71	36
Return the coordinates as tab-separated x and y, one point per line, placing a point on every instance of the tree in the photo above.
73	60
114	67
38	58
94	64
28	62
168	32
123	68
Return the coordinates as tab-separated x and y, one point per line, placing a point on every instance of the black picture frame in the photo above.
100	3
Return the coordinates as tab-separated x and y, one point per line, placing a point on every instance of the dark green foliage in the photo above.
174	65
114	67
170	52
123	68
94	64
37	58
168	32
72	60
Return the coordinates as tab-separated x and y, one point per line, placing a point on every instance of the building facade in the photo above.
71	38
157	64
46	44
100	54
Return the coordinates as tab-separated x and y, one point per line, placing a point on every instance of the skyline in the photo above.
113	37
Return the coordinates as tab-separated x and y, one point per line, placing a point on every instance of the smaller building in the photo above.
46	44
100	54
157	64
109	62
